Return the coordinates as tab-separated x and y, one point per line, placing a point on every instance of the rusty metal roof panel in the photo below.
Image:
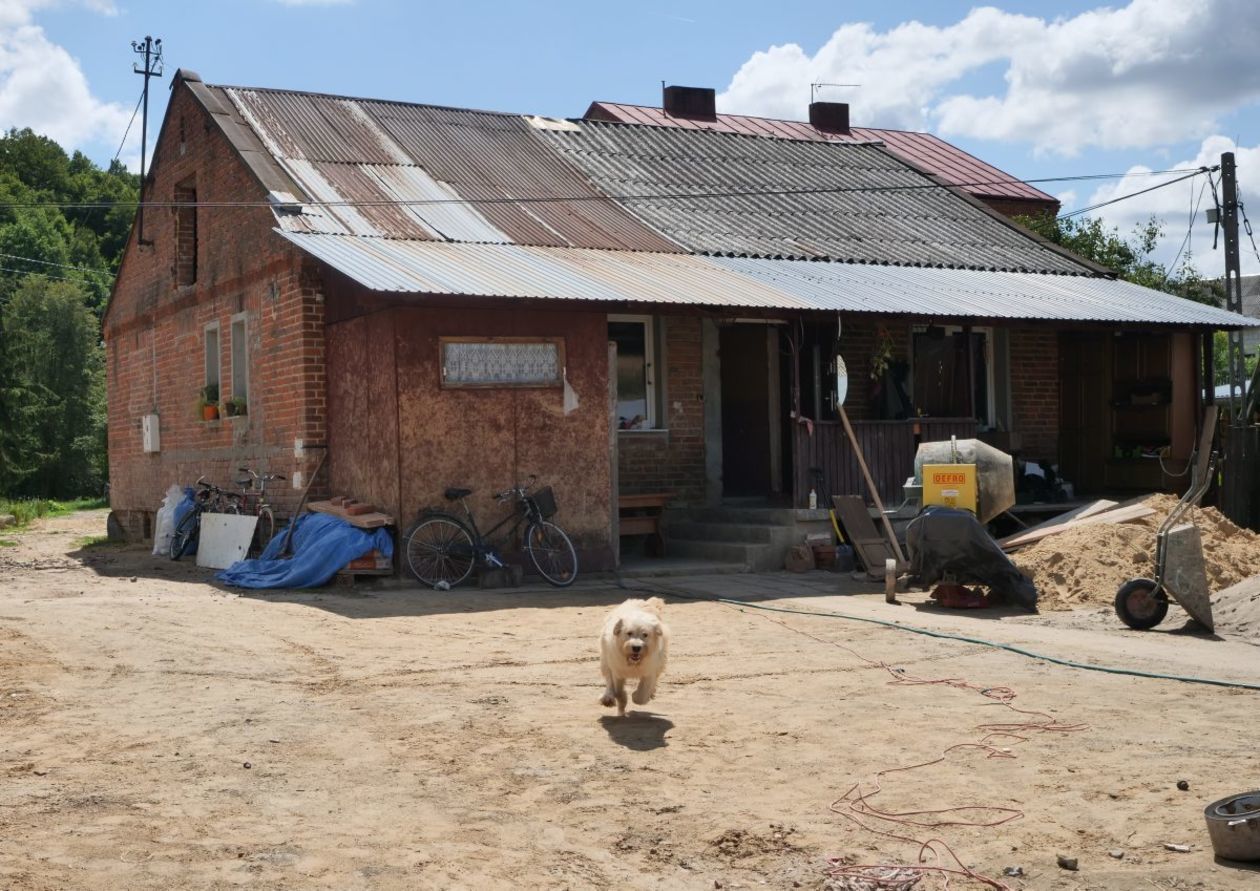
487	159
924	149
518	271
796	198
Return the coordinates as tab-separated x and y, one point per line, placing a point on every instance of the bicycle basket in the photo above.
545	501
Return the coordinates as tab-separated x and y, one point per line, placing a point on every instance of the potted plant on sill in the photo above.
238	406
209	402
229	408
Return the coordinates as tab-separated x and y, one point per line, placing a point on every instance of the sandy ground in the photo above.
159	732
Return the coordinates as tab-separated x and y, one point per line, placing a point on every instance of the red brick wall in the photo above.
1035	391
671	460
154	330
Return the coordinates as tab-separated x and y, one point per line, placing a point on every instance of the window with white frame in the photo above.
240	357
636	371
211	338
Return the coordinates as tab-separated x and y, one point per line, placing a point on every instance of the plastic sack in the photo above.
944	540
164	522
322	544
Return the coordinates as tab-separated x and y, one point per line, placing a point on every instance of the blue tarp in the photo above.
322	544
182	509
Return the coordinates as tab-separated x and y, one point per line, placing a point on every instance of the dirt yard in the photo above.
157	731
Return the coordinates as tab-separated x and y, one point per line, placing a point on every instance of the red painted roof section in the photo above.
929	152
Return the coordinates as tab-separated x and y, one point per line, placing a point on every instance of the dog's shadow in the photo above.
640	731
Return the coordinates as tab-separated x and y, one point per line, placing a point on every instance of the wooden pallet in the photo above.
363	521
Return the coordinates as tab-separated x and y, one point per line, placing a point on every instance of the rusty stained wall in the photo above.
398	438
363	411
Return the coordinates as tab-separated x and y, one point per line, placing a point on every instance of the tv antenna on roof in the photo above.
813	88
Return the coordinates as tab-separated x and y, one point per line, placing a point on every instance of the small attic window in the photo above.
186	233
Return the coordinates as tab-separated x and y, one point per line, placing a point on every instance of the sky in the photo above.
1044	89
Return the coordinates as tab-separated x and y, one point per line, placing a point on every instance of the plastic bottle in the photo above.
813	499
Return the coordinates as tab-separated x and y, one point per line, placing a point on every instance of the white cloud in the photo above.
1151	73
42	85
1172	205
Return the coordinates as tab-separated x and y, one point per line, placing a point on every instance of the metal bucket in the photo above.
1234	826
995	471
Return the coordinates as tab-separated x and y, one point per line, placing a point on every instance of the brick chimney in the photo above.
696	103
830	117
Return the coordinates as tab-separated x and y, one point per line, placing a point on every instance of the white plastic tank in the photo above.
995	471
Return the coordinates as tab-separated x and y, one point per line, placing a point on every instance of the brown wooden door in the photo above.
1084	409
745	379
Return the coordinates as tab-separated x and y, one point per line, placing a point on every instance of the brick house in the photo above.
434	297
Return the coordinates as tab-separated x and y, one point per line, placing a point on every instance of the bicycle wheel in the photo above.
439	549
185	534
552	553
265	530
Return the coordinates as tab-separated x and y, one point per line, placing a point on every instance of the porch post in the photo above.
711	384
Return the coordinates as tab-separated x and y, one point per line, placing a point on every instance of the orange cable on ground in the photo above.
855	804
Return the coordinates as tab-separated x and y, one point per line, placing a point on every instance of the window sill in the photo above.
659	431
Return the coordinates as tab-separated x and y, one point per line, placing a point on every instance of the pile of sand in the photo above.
1237	609
1084	566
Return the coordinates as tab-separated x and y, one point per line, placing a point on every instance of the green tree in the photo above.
53	365
1131	258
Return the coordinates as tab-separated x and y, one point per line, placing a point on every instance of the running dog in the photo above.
633	645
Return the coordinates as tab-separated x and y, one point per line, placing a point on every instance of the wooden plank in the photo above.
657	499
640	525
362	521
1080	513
1118	515
871	547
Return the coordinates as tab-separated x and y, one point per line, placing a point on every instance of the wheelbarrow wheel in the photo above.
1140	604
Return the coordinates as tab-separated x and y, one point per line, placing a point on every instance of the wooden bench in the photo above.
641	515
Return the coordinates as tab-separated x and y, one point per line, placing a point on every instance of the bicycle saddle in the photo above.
454	494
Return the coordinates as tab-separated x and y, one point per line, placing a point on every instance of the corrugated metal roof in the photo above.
495	270
340	149
927	151
911	222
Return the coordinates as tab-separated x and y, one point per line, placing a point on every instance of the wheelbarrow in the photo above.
1180	573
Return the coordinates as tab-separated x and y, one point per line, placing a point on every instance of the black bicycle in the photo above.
208	499
442	549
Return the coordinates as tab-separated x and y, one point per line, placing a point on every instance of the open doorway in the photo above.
750	431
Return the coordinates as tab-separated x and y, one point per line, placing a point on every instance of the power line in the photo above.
60	278
1194	212
59	265
561	199
127	132
1170	182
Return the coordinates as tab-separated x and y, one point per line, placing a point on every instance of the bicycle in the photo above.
255	503
209	499
441	549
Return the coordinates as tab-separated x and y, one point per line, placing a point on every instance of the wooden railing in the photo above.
888	446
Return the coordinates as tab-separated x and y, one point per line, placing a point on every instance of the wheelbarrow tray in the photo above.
1185	573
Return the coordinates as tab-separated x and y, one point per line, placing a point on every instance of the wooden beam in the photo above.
1119	515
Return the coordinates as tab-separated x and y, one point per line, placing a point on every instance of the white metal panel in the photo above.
224	539
504	270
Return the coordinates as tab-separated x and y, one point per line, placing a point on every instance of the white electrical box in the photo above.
150	433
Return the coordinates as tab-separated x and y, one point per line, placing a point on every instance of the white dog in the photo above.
634	644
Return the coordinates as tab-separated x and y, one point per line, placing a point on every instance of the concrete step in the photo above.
755	516
697	530
675	566
754	557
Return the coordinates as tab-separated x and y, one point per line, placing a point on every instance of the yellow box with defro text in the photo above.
951	485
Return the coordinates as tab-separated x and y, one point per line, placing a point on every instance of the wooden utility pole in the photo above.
1233	283
152	51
